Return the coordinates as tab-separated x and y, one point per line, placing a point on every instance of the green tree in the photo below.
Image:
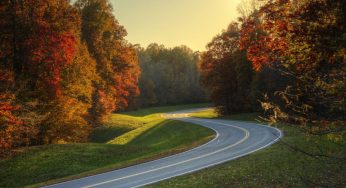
169	76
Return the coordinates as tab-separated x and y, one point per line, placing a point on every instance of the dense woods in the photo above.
169	76
64	69
305	41
116	60
227	73
286	57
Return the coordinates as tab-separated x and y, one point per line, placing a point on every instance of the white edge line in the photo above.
216	137
217	163
247	135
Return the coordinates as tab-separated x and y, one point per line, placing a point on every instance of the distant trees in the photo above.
169	76
63	68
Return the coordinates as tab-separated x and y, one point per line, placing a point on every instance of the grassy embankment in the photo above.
276	166
127	139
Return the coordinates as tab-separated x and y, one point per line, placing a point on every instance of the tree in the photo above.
41	63
169	76
304	41
116	60
226	72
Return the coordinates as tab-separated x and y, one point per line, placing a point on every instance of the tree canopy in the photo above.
169	76
63	69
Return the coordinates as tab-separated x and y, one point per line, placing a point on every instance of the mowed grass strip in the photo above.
128	139
275	166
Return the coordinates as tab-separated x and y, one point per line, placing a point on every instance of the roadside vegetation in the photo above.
66	67
279	165
127	139
286	60
63	73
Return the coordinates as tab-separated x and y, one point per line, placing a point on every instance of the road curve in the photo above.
233	139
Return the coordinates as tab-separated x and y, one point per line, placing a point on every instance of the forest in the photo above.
169	77
284	58
66	67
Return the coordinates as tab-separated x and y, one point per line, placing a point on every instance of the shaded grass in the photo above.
276	166
133	139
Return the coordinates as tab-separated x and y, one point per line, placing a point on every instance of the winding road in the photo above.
233	139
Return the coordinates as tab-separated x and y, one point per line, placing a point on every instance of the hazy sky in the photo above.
174	22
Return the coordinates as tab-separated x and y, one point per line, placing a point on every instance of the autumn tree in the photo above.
304	41
116	60
41	62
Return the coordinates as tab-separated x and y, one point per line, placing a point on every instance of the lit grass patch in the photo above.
163	109
131	135
211	113
208	113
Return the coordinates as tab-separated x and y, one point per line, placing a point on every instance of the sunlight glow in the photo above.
174	22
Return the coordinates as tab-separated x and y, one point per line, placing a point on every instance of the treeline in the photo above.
63	70
169	77
285	57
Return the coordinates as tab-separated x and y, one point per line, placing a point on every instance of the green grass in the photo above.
276	166
211	113
208	113
155	110
127	139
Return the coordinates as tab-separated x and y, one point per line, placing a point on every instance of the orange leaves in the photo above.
66	122
304	41
9	124
48	57
39	43
51	52
6	113
264	34
104	105
127	78
117	64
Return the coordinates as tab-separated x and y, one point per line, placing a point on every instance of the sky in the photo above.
172	23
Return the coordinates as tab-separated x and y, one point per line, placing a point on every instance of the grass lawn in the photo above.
276	166
128	138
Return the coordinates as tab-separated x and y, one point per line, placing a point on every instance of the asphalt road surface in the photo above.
233	139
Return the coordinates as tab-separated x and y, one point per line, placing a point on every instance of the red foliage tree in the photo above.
303	40
50	43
